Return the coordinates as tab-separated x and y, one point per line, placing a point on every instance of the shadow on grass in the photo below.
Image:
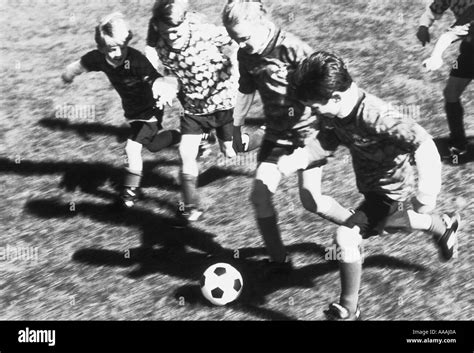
84	129
442	144
89	177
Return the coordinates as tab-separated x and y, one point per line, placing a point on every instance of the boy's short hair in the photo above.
237	11
319	76
113	30
169	12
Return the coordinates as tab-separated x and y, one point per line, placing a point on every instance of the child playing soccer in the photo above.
199	61
383	143
461	74
463	30
267	57
132	76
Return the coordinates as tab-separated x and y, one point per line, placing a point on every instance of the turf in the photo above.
59	174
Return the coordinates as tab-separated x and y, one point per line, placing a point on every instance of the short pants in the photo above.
222	121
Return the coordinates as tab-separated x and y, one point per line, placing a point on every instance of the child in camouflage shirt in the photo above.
383	144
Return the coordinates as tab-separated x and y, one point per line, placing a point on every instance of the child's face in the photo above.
174	36
251	37
331	107
116	53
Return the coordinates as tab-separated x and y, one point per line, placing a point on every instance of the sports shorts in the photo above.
222	122
464	65
143	132
379	213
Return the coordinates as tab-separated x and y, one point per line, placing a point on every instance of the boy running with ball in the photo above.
383	144
267	58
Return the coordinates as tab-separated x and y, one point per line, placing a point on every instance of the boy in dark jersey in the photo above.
461	73
132	76
267	57
383	144
463	70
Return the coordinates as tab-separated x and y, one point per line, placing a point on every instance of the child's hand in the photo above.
432	64
164	91
66	79
461	30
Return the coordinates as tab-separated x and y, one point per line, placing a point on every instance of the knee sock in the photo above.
271	236
132	178
455	115
351	274
333	211
164	139
189	189
438	227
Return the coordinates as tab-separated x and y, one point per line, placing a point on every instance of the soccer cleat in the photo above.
337	312
447	243
188	214
129	197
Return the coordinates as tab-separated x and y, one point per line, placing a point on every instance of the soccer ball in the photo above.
221	284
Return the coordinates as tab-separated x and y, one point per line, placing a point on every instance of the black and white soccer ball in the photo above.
221	284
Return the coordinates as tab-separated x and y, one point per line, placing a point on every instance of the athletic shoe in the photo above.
188	215
447	243
129	197
337	312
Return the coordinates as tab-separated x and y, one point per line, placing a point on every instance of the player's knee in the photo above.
348	242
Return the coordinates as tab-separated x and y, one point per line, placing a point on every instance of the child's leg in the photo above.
432	224
163	139
267	179
348	242
313	200
224	131
188	151
134	171
454	110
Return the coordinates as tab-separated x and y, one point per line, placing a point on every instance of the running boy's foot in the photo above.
337	312
129	197
447	243
188	215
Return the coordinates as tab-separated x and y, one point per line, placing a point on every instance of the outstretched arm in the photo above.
436	60
72	70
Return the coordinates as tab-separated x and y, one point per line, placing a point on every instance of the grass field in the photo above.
58	177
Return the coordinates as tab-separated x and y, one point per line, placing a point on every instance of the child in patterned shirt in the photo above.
199	62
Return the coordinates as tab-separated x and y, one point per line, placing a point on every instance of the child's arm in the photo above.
436	60
72	70
242	108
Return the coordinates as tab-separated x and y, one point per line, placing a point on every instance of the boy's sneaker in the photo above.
129	197
447	243
188	215
337	312
277	268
